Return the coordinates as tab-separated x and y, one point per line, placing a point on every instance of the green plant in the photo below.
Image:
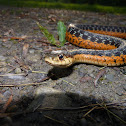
61	32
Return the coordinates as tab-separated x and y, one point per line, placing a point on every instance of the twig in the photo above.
67	82
89	111
12	75
61	122
22	64
113	114
7	104
14	38
82	107
11	85
100	74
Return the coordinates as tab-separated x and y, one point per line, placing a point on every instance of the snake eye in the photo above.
61	57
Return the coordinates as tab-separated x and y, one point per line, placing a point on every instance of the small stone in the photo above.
17	70
32	51
110	77
46	90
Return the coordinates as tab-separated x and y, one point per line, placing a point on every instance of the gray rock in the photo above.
48	97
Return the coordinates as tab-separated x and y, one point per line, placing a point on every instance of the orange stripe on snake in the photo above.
101	50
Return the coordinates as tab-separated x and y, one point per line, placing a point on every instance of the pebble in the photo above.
31	51
110	77
124	104
17	70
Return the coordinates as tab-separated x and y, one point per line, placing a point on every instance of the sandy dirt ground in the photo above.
35	93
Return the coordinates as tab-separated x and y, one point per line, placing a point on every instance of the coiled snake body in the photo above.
101	50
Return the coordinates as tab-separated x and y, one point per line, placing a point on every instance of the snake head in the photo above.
60	61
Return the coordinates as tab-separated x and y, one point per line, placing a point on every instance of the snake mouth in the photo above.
48	60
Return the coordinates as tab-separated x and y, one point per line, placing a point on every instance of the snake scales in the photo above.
108	49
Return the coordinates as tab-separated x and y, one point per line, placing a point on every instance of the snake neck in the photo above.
100	60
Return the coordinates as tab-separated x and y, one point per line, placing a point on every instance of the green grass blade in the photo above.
61	32
48	35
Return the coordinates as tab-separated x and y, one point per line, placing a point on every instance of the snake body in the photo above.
101	49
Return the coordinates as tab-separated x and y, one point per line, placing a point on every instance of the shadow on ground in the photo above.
59	108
